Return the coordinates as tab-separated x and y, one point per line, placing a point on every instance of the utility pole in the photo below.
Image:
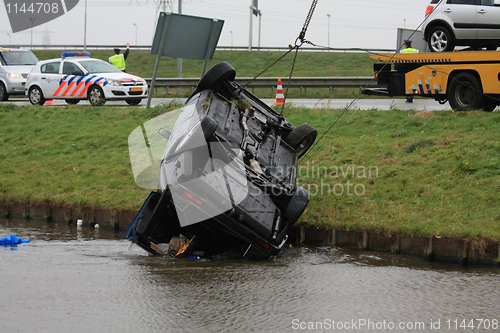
135	25
32	19
260	25
254	10
328	29
85	28
179	60
251	27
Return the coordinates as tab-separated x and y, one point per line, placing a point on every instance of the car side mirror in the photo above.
79	73
496	3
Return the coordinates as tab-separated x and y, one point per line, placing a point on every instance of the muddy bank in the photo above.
459	252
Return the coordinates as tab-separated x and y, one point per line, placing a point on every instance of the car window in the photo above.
16	58
50	68
462	2
488	2
70	67
99	66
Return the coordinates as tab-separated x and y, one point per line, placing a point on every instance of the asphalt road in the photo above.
362	104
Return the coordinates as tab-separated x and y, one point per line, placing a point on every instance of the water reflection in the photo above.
86	280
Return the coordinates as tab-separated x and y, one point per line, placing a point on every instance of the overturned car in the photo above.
227	178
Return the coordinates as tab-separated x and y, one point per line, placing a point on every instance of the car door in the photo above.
488	20
49	78
68	84
463	15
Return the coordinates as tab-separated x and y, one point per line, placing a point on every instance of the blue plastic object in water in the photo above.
12	240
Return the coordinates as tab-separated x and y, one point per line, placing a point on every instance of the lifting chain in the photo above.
298	43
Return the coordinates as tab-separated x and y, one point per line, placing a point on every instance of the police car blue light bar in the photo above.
75	54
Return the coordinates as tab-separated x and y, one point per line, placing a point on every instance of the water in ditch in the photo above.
82	280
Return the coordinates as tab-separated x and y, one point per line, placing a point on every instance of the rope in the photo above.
289	80
268	67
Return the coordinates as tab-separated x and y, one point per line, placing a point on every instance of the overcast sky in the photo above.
353	23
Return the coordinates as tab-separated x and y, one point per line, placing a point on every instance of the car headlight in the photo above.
114	82
14	75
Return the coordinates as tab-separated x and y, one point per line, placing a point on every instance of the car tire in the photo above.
72	101
490	103
465	92
297	205
301	138
440	40
3	92
96	96
35	95
135	101
213	78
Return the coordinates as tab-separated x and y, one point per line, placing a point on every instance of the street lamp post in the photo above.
260	24
9	39
85	28
328	29
135	34
231	38
32	19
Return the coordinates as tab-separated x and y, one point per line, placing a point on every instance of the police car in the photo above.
75	76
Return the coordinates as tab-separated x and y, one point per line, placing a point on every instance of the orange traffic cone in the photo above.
280	98
49	102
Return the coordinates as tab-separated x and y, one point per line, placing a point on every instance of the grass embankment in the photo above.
249	64
415	173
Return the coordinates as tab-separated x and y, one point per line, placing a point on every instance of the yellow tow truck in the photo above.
469	80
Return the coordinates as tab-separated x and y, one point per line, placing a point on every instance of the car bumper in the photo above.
125	92
16	86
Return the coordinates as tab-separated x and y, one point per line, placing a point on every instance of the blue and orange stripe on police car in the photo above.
80	81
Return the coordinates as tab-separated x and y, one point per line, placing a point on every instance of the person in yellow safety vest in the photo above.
118	60
408	49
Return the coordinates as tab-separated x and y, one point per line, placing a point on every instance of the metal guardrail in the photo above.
219	48
272	82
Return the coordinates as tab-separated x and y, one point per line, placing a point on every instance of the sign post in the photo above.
184	36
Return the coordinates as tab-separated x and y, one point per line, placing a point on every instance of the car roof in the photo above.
10	50
68	58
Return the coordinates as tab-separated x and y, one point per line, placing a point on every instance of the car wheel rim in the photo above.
35	96
439	41
465	94
304	146
95	96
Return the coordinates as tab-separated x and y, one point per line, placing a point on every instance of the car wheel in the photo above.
72	101
36	96
297	205
301	138
490	103
440	40
3	92
465	92
96	96
135	101
215	76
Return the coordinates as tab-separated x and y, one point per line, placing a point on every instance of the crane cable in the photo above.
299	41
357	97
